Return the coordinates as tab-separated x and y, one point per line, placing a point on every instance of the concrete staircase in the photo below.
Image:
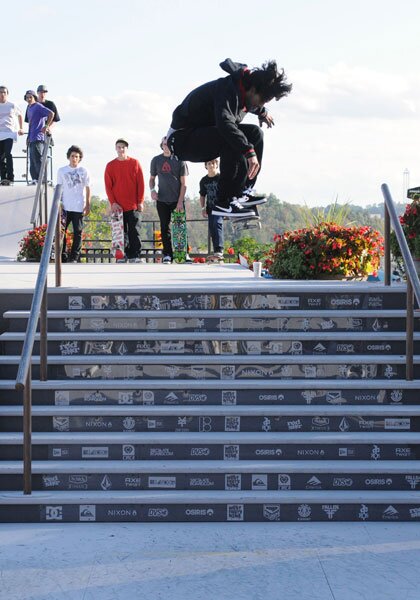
228	406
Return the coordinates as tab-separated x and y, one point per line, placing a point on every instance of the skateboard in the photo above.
117	234
245	223
211	258
179	236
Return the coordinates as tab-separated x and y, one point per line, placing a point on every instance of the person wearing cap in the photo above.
124	184
42	91
172	176
208	124
40	118
10	116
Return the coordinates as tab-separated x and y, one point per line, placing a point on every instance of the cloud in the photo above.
343	91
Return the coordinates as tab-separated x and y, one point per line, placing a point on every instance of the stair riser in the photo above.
215	481
215	423
210	397
231	452
226	324
191	347
204	372
303	300
152	513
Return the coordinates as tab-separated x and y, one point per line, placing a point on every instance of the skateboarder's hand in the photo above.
140	207
86	210
180	206
154	196
204	213
267	119
115	206
253	167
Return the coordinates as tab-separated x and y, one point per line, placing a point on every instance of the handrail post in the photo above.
409	343
57	245
43	342
27	434
387	247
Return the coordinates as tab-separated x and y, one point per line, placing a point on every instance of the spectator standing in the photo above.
208	198
40	118
172	175
10	117
124	184
42	91
75	199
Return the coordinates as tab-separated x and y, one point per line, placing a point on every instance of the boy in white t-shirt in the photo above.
75	199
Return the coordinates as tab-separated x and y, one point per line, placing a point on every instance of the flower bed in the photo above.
325	251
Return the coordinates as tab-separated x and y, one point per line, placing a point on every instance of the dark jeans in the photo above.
216	232
35	157
132	233
6	160
207	143
76	219
165	211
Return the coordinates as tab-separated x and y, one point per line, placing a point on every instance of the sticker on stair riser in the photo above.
229	372
223	348
305	300
227	452
224	325
229	512
232	397
207	423
226	481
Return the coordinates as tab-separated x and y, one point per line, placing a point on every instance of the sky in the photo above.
119	69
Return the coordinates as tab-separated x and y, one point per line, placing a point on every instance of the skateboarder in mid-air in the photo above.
208	124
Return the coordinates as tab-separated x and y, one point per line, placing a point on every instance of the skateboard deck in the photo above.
211	258
179	236
117	234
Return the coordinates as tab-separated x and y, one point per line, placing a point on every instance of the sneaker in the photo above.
167	260
5	182
218	255
232	211
188	259
252	200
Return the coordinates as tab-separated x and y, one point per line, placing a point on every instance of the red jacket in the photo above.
124	183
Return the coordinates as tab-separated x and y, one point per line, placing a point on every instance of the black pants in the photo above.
132	233
165	211
6	160
76	219
206	143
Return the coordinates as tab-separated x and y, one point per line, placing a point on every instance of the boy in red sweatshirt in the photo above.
124	184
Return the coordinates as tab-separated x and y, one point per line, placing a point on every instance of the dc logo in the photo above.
53	513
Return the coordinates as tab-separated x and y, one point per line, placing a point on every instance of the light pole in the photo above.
406	183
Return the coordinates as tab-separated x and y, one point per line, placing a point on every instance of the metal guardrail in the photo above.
413	284
38	312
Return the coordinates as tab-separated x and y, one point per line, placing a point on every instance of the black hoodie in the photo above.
219	103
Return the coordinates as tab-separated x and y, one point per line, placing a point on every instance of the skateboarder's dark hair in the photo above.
75	149
268	81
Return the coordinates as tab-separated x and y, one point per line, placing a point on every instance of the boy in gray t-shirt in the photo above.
172	174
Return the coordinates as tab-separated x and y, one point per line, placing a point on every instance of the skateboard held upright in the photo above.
179	236
117	233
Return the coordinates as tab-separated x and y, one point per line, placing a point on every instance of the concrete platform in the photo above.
21	276
205	561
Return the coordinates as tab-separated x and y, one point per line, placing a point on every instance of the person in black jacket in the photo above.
207	124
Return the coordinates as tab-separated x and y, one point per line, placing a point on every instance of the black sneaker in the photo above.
249	199
232	211
254	217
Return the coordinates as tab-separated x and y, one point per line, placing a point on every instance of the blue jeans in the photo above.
35	156
216	232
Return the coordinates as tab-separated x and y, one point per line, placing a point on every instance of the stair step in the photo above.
257	411
204	438
9	467
209	497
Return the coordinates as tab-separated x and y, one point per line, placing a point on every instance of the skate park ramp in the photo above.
15	212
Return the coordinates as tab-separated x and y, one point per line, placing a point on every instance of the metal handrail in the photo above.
42	180
38	311
413	283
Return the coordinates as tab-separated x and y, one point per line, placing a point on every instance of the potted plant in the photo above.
327	251
410	223
32	244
